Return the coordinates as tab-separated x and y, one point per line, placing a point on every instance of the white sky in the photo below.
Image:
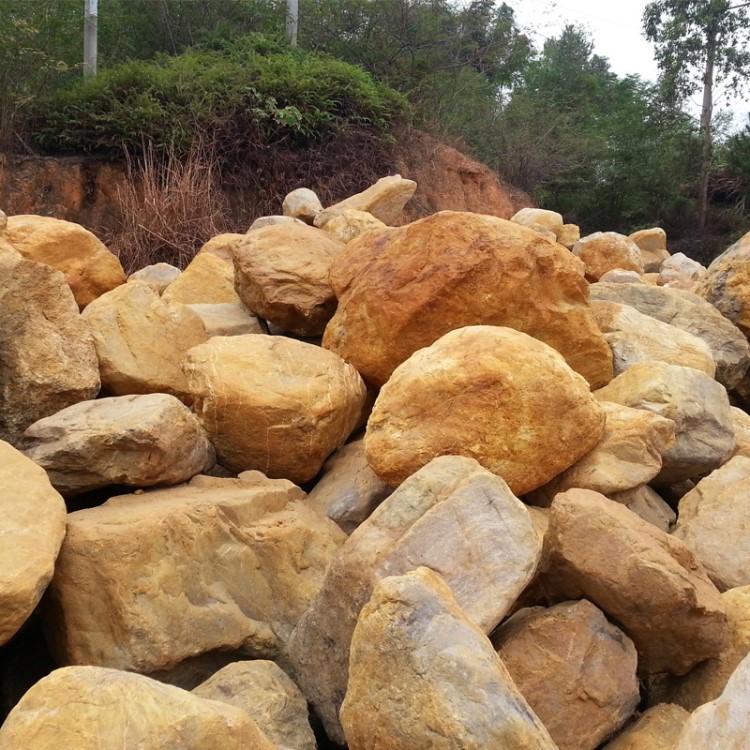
615	26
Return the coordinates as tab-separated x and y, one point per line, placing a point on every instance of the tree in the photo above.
700	43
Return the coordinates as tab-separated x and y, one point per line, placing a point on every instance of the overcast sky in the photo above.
615	26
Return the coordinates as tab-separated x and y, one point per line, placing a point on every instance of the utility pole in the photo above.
90	22
292	18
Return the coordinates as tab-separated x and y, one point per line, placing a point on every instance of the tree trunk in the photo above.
705	125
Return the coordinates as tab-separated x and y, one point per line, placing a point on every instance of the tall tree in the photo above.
698	44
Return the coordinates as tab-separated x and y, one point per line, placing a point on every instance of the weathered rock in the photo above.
347	225
568	235
302	204
270	221
627	455
647	581
698	405
635	337
490	393
656	729
384	200
741	422
713	520
619	276
32	527
576	670
222	245
648	504
90	708
691	313
272	403
452	516
726	284
653	246
158	276
148	580
141	340
207	280
424	676
136	441
48	360
723	723
89	268
605	251
227	319
681	272
530	217
400	290
281	274
707	680
348	490
264	692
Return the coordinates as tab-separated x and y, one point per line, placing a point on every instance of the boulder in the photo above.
384	200
713	520
425	677
656	729
266	694
48	360
691	313
568	235
681	272
741	422
493	394
635	337
32	527
272	403
347	225
222	245
148	580
401	289
645	502
647	581
136	441
627	455
91	708
141	340
207	280
723	723
605	251
89	268
618	276
158	276
227	319
348	489
452	516
653	246
576	670
726	284
302	204
697	404
281	274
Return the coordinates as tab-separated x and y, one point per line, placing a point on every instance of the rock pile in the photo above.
462	484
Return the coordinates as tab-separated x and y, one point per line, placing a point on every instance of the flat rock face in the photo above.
576	670
32	527
146	581
207	280
635	337
645	502
89	268
48	357
400	290
158	276
452	516
347	225
424	676
348	490
707	681
691	313
136	441
713	520
646	580
492	394
385	200
697	404
723	723
90	708
266	694
726	284
272	403
653	246
222	245
227	319
627	455
282	275
605	251
141	340
656	729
